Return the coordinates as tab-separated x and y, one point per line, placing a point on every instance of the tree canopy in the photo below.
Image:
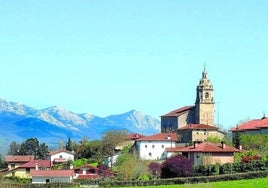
30	146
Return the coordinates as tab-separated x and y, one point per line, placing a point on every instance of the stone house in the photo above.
198	132
205	153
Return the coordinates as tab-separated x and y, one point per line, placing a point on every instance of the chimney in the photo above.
223	145
195	144
240	147
36	166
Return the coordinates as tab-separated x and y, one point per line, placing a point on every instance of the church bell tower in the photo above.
204	105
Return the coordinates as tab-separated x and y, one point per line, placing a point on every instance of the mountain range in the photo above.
52	125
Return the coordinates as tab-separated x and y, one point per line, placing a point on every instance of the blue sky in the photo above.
109	57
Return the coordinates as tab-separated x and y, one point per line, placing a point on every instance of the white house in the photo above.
60	156
110	161
86	172
51	176
153	147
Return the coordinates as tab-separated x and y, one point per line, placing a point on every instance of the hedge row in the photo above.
49	185
189	180
229	168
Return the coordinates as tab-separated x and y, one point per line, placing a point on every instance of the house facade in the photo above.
24	170
205	153
256	126
198	132
60	156
200	113
86	172
111	160
15	161
181	117
153	147
52	176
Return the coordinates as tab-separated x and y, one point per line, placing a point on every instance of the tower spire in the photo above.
204	73
204	100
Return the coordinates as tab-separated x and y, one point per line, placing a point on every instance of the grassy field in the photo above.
253	183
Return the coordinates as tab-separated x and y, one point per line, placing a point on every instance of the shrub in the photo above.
226	168
177	166
155	169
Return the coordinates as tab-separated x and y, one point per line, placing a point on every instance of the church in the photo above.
196	122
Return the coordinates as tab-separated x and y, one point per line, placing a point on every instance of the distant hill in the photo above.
19	122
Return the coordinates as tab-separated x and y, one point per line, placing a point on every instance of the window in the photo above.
163	146
150	154
145	146
47	181
13	166
60	156
27	170
153	146
207	95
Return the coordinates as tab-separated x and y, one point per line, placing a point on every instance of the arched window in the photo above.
207	95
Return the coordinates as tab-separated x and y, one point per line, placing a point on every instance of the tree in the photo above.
126	167
42	151
177	166
69	145
110	140
32	147
14	148
95	150
3	164
81	148
236	139
215	139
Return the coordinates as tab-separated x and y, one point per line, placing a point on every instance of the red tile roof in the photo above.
252	125
174	149
40	163
86	166
59	151
52	173
207	147
178	112
198	126
19	158
88	176
135	136
160	137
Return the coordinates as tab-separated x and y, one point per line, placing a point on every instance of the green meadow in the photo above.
251	183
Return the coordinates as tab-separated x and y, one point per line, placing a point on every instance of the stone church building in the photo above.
190	122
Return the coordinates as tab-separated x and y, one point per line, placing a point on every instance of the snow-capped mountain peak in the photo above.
18	121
